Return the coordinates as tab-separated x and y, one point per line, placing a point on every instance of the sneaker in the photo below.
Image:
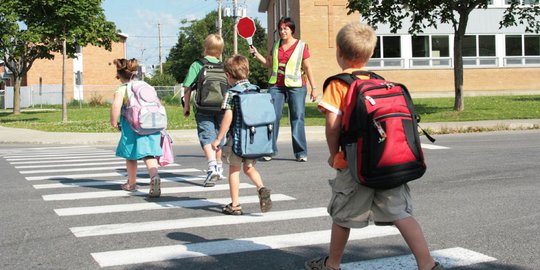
264	199
232	210
301	159
437	266
220	173
212	176
155	187
318	264
266	158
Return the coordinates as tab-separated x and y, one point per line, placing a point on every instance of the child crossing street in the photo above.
237	71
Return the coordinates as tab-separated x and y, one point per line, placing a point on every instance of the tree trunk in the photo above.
17	95
459	104
64	103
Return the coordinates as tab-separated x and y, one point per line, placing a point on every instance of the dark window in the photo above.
513	45
532	45
486	45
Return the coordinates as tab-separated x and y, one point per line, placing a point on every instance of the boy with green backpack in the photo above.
207	78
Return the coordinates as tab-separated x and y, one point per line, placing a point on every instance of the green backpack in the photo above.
210	87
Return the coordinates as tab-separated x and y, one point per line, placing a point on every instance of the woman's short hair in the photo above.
287	21
237	66
214	44
126	69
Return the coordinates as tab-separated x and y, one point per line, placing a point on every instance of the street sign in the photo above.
246	29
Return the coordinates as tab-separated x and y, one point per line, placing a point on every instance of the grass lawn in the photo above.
96	119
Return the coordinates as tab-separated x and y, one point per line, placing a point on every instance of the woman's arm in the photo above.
306	63
267	62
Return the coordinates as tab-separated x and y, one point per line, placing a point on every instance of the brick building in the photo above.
89	75
495	59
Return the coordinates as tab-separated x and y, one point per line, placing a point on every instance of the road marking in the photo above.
121	167
59	153
139	192
96	183
131	207
53	157
122	228
449	258
79	176
71	160
219	247
434	147
72	164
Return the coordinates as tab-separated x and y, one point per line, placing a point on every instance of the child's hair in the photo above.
126	69
237	66
356	42
287	22
213	45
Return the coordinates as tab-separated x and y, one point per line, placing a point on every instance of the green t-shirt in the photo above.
194	70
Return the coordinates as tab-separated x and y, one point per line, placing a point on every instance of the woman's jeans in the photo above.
296	99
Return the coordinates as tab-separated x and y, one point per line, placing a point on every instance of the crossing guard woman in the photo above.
289	61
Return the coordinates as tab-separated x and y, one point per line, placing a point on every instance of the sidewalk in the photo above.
183	137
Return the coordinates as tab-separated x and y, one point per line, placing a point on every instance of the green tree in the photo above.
189	47
35	29
159	79
424	14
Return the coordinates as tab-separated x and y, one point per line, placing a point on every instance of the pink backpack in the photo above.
166	145
144	111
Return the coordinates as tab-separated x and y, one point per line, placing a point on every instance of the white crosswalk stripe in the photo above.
219	247
53	169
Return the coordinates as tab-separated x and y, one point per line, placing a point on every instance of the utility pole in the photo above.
160	50
220	20
235	18
142	61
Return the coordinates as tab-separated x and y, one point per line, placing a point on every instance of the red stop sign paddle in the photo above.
246	29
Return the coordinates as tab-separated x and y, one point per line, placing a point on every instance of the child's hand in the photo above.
186	111
314	95
215	145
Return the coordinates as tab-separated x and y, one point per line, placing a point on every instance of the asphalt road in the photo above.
61	208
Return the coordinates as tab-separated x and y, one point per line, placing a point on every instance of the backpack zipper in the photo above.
380	130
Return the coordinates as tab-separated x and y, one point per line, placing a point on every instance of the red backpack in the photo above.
380	131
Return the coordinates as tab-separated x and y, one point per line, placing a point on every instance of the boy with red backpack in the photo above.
353	204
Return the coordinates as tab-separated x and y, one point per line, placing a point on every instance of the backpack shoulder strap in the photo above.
344	77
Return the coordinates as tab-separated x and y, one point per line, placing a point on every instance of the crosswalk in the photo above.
82	182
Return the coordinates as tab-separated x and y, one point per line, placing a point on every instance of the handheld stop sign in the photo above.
246	29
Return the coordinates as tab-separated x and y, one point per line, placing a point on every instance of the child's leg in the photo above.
152	166
253	175
131	167
414	237
338	240
155	181
234	183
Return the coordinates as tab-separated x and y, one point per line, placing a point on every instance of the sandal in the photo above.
318	264
232	210
128	187
155	187
264	199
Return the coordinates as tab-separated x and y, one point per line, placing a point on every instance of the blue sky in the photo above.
139	20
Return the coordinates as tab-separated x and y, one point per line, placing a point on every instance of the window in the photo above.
479	50
430	51
522	50
387	53
524	2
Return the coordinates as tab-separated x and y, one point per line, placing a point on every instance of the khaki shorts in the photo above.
353	205
234	160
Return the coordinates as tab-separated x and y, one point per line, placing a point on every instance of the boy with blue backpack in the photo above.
237	71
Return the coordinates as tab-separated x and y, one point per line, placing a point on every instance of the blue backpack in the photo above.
253	122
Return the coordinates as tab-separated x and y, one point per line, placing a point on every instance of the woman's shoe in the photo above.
155	187
128	187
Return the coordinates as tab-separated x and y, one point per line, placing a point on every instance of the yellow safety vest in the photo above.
293	67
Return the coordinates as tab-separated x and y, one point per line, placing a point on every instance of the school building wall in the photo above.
98	72
318	21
